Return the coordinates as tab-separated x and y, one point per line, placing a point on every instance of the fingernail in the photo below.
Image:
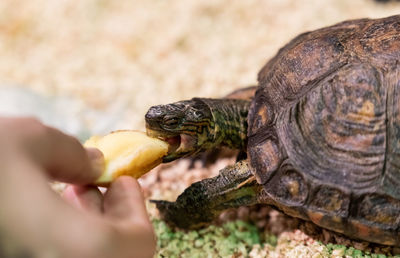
96	158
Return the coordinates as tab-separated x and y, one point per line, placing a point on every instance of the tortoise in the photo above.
321	132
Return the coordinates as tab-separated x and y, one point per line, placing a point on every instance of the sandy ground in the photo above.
117	58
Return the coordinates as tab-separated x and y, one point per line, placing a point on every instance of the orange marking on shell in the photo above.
336	219
364	114
362	229
315	216
335	204
388	242
383	218
293	187
269	149
354	142
367	109
267	155
263	114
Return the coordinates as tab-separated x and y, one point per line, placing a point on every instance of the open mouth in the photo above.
179	145
174	143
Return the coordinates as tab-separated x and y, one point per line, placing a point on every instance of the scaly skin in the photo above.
199	124
203	201
203	124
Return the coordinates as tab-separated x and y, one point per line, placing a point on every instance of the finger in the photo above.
62	156
35	215
129	229
124	201
84	198
125	209
68	161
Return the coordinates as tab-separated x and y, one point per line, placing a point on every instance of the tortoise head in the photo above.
186	125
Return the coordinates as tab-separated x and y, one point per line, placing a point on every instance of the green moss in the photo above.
270	239
236	237
352	252
240	238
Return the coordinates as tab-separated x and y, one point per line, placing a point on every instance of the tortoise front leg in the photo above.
203	201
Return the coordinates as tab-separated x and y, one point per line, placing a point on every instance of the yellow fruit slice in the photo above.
130	153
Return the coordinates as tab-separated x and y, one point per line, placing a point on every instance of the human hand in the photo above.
41	222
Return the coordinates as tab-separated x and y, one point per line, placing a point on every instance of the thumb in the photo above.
124	201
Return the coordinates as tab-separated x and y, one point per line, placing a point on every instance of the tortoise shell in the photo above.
327	106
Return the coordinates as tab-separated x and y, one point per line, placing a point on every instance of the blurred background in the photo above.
89	67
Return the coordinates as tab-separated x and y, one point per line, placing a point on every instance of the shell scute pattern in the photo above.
379	209
288	187
331	200
337	132
391	179
330	99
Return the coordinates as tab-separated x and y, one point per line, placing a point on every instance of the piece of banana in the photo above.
130	153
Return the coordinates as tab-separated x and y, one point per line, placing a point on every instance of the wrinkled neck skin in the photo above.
229	122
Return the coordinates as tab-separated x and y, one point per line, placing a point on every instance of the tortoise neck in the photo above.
230	121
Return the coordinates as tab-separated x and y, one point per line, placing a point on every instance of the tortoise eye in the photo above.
170	121
197	113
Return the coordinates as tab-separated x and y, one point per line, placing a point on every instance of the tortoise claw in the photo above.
161	204
163	207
